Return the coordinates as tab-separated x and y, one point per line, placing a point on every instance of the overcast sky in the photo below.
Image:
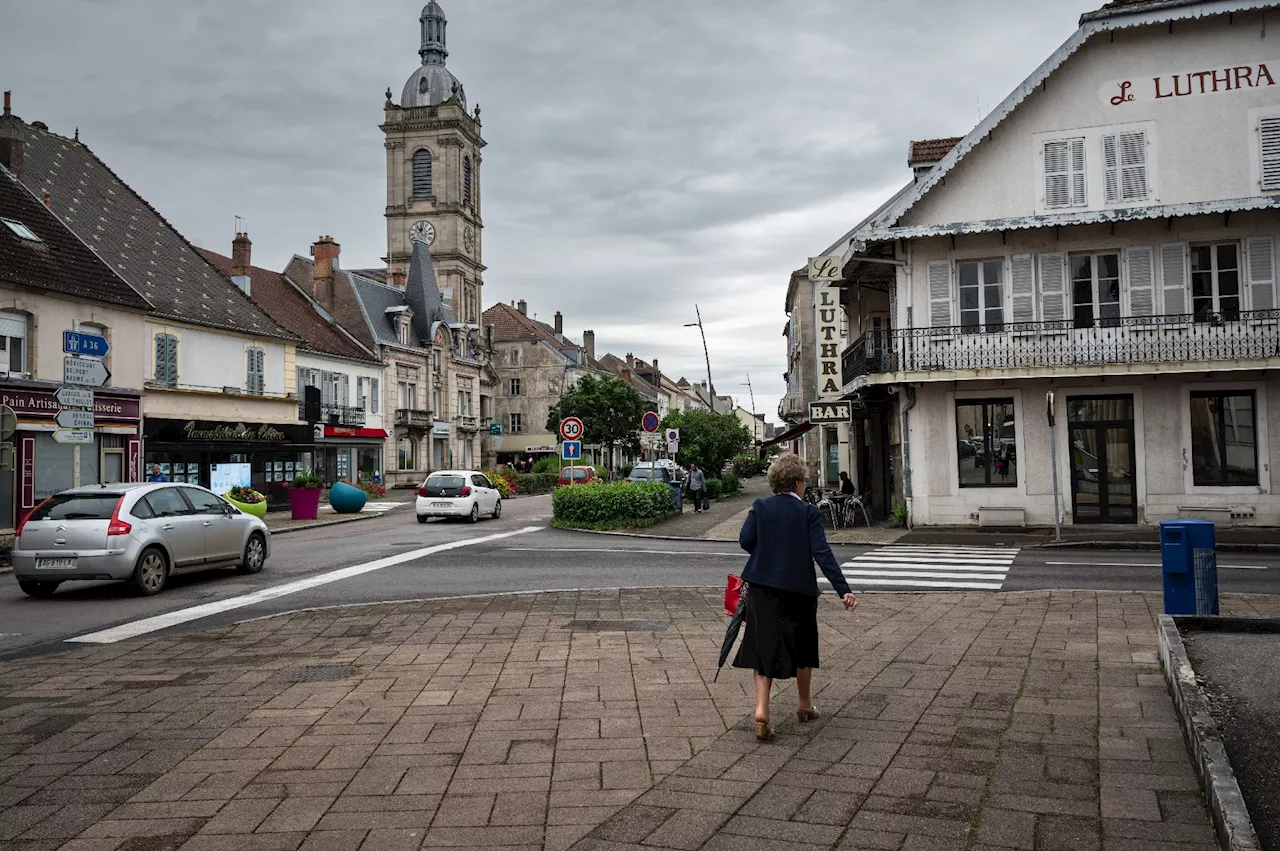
642	156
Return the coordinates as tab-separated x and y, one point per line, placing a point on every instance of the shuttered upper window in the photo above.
1124	161
421	173
466	180
166	360
1269	143
255	371
1064	173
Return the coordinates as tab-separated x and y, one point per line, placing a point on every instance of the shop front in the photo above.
519	451
349	453
43	466
186	450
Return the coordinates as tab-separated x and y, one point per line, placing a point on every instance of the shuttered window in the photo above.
1141	283
1173	277
466	180
1023	287
166	363
1124	160
255	371
940	294
1064	173
1259	254
13	342
421	173
1269	143
373	397
1053	287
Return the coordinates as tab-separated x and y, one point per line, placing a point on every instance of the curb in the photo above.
352	519
1152	545
1222	793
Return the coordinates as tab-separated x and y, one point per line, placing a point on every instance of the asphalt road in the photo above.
392	557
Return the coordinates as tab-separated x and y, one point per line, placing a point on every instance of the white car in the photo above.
458	493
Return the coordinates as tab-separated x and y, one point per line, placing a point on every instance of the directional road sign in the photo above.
80	343
67	436
571	429
85	371
649	422
74	397
75	419
571	450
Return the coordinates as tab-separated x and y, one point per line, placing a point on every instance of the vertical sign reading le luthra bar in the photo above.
824	272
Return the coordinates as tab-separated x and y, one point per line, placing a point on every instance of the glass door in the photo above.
1102	459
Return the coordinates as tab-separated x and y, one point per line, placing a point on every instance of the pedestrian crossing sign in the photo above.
571	450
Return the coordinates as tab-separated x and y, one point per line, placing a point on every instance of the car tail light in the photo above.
116	526
422	491
18	532
466	490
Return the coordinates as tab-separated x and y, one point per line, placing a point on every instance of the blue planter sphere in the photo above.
346	499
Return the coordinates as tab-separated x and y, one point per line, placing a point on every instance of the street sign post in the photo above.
86	372
571	450
74	397
78	420
80	343
495	428
649	422
673	447
571	429
69	436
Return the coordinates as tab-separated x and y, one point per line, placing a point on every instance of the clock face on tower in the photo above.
422	232
468	239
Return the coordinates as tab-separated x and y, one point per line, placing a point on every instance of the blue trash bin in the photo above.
678	494
1189	564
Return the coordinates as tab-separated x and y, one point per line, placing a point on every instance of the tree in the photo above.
610	410
708	439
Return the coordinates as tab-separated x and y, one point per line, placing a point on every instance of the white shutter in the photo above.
13	325
1173	277
1259	252
1057	173
1079	195
940	294
373	396
1141	283
1023	287
1269	144
326	388
346	391
1053	287
1133	166
1111	167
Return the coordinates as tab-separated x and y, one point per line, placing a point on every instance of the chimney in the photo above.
397	277
12	153
631	361
8	98
657	373
523	307
48	200
559	324
589	343
325	251
240	252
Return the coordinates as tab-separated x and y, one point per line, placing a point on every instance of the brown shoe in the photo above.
806	715
764	732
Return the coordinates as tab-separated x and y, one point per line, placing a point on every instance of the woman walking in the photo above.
784	536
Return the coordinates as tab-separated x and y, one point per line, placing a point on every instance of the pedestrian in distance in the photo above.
156	475
784	537
697	484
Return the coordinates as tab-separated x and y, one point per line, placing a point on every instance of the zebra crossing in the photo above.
930	568
373	506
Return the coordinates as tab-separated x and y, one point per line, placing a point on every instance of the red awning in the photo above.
787	435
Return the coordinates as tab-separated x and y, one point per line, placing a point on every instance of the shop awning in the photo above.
790	434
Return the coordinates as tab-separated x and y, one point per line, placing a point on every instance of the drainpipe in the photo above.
906	448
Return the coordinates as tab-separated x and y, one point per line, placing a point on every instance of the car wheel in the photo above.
38	588
151	572
422	518
475	512
255	555
497	509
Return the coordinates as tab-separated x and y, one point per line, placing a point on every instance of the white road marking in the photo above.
922	574
999	551
181	616
554	550
930	567
908	566
925	583
1145	564
939	559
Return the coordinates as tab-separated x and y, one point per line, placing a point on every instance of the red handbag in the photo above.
732	593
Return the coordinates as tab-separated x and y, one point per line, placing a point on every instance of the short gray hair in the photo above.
787	472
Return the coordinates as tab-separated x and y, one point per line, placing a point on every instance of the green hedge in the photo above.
730	484
535	483
715	488
612	505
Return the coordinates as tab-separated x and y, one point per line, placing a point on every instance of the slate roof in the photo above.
59	262
374	299
295	311
132	237
930	150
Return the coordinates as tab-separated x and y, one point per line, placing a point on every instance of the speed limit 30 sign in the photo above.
571	428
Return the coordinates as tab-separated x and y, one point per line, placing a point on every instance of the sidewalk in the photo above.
1230	538
589	720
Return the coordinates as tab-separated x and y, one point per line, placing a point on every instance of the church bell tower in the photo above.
433	172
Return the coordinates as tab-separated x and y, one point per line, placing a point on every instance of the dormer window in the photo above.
402	330
21	231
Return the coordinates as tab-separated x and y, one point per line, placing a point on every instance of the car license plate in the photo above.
55	564
442	505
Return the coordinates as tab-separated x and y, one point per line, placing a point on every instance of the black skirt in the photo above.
781	633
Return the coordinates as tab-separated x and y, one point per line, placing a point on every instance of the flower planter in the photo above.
256	509
346	499
304	503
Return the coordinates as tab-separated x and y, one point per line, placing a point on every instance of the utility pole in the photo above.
754	421
710	385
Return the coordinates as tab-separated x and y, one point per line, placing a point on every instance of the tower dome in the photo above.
432	84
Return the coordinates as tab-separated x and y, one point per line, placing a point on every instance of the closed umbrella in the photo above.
731	632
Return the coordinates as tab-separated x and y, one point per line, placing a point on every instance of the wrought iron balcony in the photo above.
336	415
1176	338
413	418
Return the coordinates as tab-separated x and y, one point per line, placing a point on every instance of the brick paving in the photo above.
1019	721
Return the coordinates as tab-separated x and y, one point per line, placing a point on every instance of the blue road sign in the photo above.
571	450
79	343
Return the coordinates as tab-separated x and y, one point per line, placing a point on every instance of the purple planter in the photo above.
305	503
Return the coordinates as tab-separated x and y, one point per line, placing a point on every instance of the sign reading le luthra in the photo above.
827	323
830	412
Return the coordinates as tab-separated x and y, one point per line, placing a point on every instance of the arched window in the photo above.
421	173
466	180
406	454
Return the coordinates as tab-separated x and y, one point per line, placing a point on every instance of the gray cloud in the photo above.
642	156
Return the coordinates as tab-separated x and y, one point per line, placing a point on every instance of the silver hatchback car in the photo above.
138	532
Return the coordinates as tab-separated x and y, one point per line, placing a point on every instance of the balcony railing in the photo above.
413	418
1178	338
336	415
790	405
467	423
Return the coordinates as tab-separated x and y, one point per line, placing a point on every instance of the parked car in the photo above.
581	475
458	493
140	532
649	472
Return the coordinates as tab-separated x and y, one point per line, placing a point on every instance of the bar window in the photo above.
1224	445
986	449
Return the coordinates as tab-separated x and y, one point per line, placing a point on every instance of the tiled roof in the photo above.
930	150
615	365
509	324
133	238
285	303
59	262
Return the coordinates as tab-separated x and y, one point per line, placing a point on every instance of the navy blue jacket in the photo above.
784	536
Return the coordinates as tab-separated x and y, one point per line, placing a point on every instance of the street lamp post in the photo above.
710	386
752	391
